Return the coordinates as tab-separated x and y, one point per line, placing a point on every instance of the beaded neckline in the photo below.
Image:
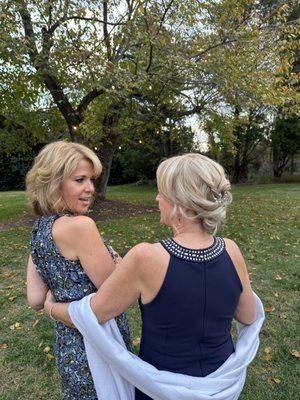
184	253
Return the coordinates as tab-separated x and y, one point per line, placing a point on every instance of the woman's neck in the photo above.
191	232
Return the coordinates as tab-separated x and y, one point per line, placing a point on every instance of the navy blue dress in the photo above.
186	328
67	281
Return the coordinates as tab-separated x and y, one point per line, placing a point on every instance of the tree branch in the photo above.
165	14
40	63
29	33
77	17
105	30
88	99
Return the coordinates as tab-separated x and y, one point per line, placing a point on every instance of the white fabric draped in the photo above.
116	371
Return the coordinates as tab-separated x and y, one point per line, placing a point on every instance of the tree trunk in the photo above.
107	148
292	164
279	164
240	172
277	173
106	156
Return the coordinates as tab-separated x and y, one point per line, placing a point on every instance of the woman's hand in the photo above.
57	311
49	303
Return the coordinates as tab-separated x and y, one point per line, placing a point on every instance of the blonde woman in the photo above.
67	254
190	286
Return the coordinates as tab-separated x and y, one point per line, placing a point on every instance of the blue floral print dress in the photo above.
67	281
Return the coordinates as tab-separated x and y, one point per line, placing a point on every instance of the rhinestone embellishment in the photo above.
184	253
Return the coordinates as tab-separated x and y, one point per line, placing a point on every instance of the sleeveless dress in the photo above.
186	328
67	281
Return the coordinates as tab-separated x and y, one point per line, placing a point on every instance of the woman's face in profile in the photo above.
77	190
165	208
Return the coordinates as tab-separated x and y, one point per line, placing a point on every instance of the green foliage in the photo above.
13	170
285	139
138	157
105	74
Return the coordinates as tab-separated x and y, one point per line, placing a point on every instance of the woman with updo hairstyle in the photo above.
190	286
198	189
67	254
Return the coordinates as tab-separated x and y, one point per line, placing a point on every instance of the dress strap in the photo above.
207	254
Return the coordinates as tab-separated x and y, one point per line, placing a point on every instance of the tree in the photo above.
253	92
103	60
285	139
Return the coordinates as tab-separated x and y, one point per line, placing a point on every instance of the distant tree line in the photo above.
136	161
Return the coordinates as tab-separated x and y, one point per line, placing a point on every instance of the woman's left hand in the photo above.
49	302
57	311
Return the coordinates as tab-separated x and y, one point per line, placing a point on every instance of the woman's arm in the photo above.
246	309
36	288
116	294
122	288
80	238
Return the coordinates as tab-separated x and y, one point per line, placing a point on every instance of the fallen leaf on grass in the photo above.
269	309
50	356
136	341
267	355
283	316
4	346
35	323
271	381
47	349
15	326
11	298
295	353
278	277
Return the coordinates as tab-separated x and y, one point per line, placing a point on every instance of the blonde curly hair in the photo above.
56	162
198	188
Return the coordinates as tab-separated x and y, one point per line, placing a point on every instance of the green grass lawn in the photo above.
262	220
13	205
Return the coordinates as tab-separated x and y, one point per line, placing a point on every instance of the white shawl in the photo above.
116	371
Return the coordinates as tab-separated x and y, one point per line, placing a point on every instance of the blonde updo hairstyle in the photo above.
198	188
56	162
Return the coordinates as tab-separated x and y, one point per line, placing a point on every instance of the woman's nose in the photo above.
90	186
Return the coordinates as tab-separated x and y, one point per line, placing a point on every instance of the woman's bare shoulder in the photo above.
74	227
146	250
236	255
148	258
232	248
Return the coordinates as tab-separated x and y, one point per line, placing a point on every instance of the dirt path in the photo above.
104	211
